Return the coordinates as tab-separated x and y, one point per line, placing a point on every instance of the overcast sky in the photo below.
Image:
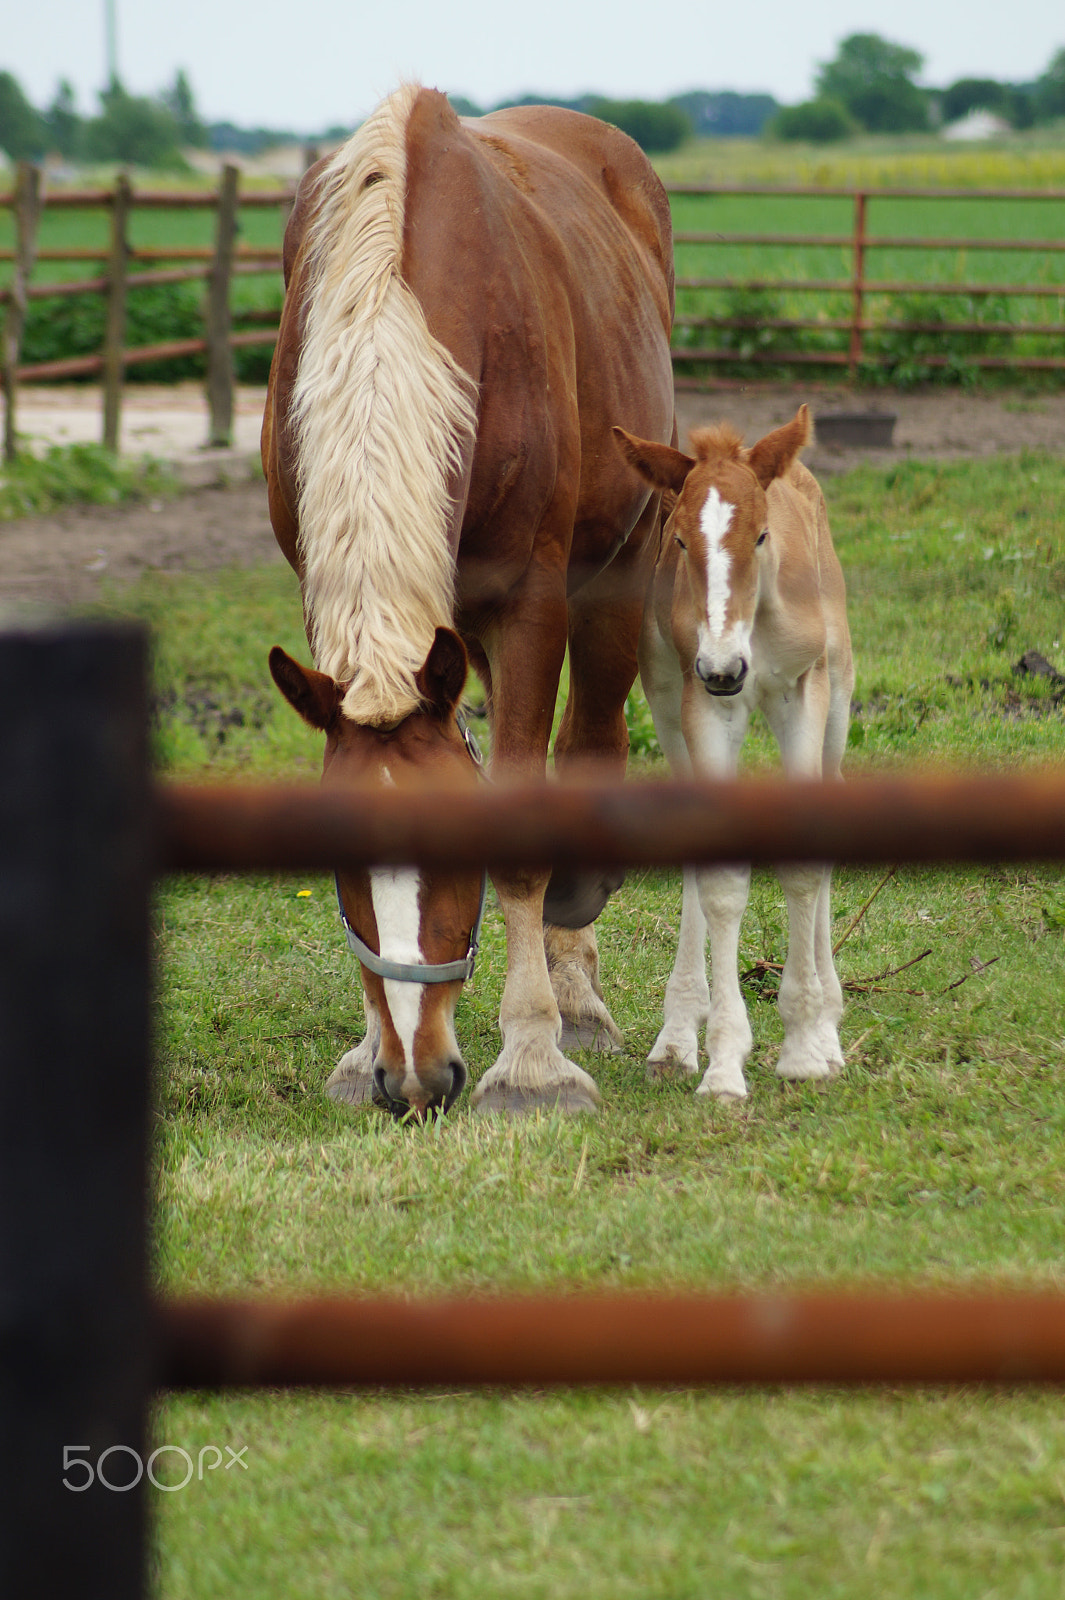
309	64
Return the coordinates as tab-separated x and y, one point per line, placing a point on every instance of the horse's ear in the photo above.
658	464
772	456
442	677
313	694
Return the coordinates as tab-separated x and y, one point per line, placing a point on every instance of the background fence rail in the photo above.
697	356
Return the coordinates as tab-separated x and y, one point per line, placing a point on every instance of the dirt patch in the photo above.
64	560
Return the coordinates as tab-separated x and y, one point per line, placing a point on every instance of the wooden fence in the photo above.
82	834
126	270
859	286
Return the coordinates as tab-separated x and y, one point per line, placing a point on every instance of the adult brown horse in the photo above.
470	306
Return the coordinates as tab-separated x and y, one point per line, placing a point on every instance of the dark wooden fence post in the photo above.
115	335
854	358
75	862
219	321
27	215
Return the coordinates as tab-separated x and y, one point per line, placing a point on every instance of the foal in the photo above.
747	609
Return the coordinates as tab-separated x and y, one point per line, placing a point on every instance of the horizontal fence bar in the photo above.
1036	291
649	824
990	1337
844	192
870	241
157	199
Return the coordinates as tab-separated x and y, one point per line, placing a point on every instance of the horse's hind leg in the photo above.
593	739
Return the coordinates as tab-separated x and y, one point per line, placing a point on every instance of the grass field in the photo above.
936	1158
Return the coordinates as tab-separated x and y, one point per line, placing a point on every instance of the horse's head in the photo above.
414	932
719	524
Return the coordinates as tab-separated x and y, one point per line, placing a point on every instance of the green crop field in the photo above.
936	1158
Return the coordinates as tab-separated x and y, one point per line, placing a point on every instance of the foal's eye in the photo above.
761	539
680	542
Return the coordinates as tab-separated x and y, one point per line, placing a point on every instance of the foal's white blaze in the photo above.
395	906
721	646
715	519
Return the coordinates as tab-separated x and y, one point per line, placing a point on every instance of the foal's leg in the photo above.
687	1002
714	731
811	999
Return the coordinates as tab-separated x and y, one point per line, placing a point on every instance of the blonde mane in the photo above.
383	416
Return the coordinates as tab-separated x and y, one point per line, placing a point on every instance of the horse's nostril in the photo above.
458	1083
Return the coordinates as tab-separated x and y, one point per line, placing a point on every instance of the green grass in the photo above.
937	1158
85	474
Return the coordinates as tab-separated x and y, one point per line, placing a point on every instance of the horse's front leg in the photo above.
351	1081
714	731
811	997
525	653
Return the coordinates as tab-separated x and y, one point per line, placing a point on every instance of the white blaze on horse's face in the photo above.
397	915
719	524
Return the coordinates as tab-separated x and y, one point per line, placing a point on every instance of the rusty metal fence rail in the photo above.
82	836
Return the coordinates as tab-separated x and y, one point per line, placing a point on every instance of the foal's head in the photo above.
719	524
400	918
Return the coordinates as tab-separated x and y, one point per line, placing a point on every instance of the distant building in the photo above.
977	124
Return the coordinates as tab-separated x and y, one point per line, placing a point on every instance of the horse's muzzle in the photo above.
397	1094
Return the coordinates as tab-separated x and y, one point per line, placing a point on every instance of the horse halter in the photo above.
427	972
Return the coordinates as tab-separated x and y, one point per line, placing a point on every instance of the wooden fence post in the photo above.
27	216
115	334
854	358
219	320
75	865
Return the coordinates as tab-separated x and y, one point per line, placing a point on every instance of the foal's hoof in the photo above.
501	1098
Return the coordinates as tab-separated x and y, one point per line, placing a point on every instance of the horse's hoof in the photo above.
588	1033
350	1091
502	1099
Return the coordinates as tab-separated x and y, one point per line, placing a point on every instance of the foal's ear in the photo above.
658	464
772	456
442	677
314	695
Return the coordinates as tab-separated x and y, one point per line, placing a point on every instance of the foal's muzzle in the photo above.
722	684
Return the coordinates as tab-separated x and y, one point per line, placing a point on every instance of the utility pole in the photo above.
111	43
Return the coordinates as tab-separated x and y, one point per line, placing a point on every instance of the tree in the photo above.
181	104
63	124
656	128
21	127
873	79
1050	90
131	128
813	122
724	114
